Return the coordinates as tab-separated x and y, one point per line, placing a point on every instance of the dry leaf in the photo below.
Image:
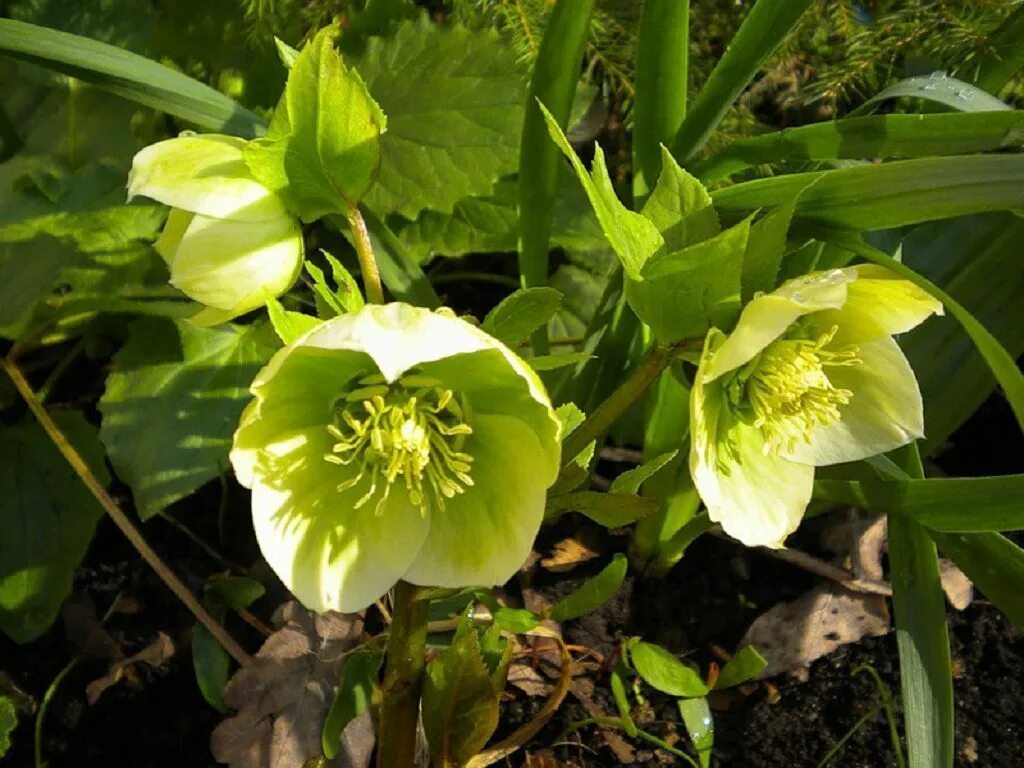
154	655
792	635
284	695
568	553
545	759
958	588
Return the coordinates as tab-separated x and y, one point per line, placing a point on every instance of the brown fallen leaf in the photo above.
283	696
568	553
545	759
792	635
523	675
154	655
958	588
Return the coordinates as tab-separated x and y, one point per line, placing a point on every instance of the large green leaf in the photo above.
454	101
885	136
48	518
873	197
128	75
172	404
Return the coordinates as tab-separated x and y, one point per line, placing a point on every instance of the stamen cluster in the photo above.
412	428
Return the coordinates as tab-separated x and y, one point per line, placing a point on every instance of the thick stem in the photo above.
120	518
403	679
367	261
636	383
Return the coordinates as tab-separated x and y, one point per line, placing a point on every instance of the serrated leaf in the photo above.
348	292
745	665
661	670
765	249
593	593
454	99
680	207
460	705
631	480
172	404
322	151
521	313
48	518
289	325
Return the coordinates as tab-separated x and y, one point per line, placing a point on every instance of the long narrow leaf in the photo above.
128	75
659	105
885	136
937	88
994	563
873	197
553	83
919	611
768	22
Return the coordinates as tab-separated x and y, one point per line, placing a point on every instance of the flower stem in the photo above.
636	383
403	679
367	261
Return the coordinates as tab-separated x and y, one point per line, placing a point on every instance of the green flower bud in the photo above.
395	443
229	242
810	376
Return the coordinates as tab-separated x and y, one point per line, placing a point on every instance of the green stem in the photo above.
635	384
403	679
364	251
44	705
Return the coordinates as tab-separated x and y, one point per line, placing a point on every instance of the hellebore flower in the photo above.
228	241
395	443
810	376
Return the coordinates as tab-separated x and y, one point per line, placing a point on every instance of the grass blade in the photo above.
128	75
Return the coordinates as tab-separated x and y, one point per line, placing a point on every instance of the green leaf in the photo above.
919	613
621	697
858	138
521	313
662	670
700	725
765	249
554	362
454	100
761	32
612	510
995	565
952	505
872	197
353	696
593	593
1003	56
518	621
680	207
128	75
631	480
745	665
31	269
172	404
346	297
289	325
633	237
323	149
460	705
939	88
683	293
48	518
8	722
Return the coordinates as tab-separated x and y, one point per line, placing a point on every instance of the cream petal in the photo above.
884	413
170	238
484	535
204	174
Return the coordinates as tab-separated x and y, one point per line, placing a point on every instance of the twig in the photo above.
622	455
195	539
120	519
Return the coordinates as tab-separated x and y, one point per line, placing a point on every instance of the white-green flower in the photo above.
395	443
229	242
809	377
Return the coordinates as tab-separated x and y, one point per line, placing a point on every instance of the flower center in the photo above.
789	392
411	429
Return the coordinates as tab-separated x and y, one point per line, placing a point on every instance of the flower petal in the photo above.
203	174
331	555
878	303
170	238
884	413
484	535
758	498
767	317
237	266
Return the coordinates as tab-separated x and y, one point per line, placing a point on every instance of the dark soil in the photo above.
157	718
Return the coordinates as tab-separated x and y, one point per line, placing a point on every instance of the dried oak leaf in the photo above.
154	655
792	635
283	696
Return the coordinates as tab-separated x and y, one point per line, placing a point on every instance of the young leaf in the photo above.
700	726
745	665
621	697
631	480
765	249
348	292
521	313
460	704
289	325
48	520
172	404
322	152
353	696
680	207
612	510
661	670
593	593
